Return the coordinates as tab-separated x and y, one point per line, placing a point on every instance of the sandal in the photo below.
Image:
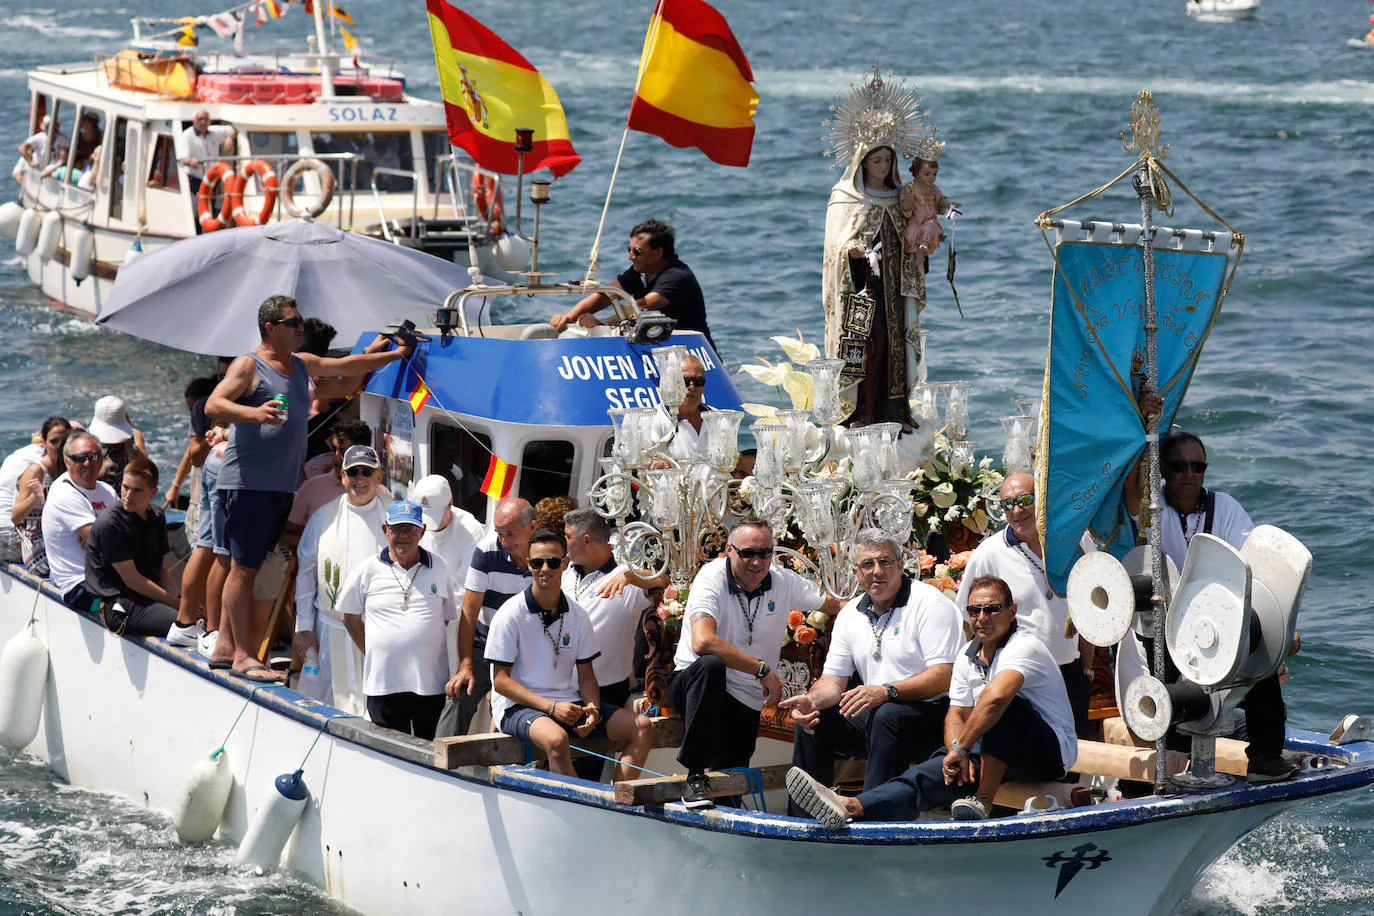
249	674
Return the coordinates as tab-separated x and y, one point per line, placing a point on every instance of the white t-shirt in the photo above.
455	544
1230	522
687	442
1043	687
518	638
403	623
68	508
191	145
1043	617
614	620
13	467
922	629
715	594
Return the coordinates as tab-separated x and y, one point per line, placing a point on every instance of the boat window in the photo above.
120	140
397	447
461	457
387	149
546	469
162	164
90	134
436	147
279	148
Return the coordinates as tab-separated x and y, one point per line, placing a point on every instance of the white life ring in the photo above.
288	187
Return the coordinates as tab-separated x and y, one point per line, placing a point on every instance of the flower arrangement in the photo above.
673	605
950	493
805	629
944	576
785	376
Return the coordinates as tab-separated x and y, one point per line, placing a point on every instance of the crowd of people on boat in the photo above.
944	698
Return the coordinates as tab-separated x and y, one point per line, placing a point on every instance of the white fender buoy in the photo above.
48	235
26	236
81	251
23	679
135	251
266	837
511	252
11	212
203	797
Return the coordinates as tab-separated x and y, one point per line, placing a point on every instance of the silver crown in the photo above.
930	146
876	113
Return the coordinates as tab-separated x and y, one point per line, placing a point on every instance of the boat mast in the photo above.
326	57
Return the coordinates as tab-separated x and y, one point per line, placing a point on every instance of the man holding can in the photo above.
265	395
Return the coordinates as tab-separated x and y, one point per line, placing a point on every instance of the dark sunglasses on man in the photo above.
1178	467
752	553
694	381
294	322
541	562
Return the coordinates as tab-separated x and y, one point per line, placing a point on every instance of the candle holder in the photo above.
1016	456
672	390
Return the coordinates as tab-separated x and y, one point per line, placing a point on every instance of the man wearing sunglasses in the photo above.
687	441
340	536
901	637
657	280
265	395
723	674
74	500
1009	719
1016	556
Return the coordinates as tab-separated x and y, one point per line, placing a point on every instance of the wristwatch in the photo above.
958	748
892	693
763	671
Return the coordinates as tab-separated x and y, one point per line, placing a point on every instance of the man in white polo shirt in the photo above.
544	690
901	637
723	674
395	606
1009	718
74	500
1016	556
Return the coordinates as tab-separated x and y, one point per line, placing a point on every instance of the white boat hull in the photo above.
385	832
1223	10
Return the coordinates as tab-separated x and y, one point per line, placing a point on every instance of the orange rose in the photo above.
670	592
960	560
796	619
927	561
945	583
804	636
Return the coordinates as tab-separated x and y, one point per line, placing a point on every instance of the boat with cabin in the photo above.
334	135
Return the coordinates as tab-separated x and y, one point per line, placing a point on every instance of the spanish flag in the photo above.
419	397
499	478
273	8
489	90
695	85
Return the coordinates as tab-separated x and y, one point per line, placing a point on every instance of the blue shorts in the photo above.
518	719
253	520
210	529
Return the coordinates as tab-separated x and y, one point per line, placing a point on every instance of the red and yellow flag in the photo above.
489	90
419	397
499	478
695	85
273	8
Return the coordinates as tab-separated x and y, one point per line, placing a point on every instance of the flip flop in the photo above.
247	674
222	664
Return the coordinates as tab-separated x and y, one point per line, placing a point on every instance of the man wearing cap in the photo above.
325	487
120	441
450	532
74	501
342	535
396	605
265	395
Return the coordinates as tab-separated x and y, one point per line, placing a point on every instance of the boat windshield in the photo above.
378	149
272	143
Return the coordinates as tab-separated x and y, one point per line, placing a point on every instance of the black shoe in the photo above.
1270	768
696	792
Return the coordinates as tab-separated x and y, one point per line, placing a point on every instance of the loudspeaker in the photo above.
1101	599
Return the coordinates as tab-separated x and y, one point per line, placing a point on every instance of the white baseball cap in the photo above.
434	496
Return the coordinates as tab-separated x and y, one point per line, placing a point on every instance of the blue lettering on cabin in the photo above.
359	113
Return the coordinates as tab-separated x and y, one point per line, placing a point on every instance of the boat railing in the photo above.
455	306
414	177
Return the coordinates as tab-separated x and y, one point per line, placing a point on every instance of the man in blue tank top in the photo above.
266	396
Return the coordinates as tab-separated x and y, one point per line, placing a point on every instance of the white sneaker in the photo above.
206	644
815	799
186	637
969	809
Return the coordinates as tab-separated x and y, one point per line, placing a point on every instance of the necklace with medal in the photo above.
551	638
587	582
878	634
748	616
405	586
1186	521
1049	592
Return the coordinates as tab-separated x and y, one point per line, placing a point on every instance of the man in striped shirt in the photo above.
499	570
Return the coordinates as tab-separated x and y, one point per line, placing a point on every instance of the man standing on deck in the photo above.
499	570
1016	556
198	146
265	396
901	637
657	280
723	674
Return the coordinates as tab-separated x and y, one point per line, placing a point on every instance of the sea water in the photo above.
1269	122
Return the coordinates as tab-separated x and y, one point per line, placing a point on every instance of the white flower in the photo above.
768	373
797	349
760	410
799	387
952	514
749	487
818	619
943	495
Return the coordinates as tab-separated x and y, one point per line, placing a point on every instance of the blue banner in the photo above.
542	382
1093	432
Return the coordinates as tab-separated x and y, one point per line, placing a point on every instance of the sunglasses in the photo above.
296	322
541	562
1197	467
84	458
876	564
992	610
752	553
694	381
635	250
1024	501
359	471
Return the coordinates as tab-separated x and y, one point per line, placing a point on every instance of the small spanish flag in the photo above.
499	478
419	397
273	8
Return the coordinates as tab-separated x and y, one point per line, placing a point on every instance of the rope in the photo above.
754	780
618	762
220	750
320	734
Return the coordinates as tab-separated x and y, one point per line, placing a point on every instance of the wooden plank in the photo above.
1138	764
498	749
660	791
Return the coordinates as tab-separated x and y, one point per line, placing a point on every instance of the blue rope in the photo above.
754	781
319	735
618	762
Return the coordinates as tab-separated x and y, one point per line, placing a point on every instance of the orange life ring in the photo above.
268	177
210	221
486	197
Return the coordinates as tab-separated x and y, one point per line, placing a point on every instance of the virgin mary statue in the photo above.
873	290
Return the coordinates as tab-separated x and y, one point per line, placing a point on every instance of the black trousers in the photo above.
1265	718
406	712
1079	685
720	731
130	617
468	704
890	737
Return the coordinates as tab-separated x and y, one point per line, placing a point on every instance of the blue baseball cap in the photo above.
405	512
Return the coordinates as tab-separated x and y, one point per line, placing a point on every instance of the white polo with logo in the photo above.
541	659
922	629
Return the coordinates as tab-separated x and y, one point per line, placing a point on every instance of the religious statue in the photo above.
873	283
